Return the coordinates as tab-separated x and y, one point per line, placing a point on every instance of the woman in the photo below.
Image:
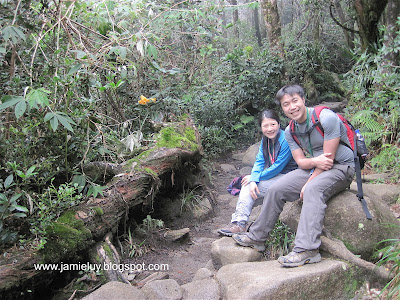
273	160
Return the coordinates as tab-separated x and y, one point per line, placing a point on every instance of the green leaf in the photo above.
54	123
14	198
38	97
80	180
80	54
19	215
30	172
21	208
75	69
94	190
254	5
152	50
20	109
65	122
8	181
14	33
48	116
10	101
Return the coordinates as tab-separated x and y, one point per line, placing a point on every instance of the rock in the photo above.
152	277
329	279
250	155
228	168
167	289
346	221
238	156
245	171
375	177
335	106
388	193
225	251
203	210
210	266
116	290
206	289
176	235
202	273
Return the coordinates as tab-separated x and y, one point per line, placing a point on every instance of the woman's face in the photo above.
269	128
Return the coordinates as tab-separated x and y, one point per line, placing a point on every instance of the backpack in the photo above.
357	145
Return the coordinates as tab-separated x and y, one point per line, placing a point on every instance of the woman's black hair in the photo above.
267	114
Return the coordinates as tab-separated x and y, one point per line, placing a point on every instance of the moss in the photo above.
150	171
190	134
172	138
98	210
108	250
65	237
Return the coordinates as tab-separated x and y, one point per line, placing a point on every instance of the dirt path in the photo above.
185	258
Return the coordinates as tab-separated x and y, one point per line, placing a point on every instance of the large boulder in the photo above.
346	221
225	251
116	290
167	289
250	155
206	289
329	279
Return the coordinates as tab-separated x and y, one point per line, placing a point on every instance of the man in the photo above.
326	167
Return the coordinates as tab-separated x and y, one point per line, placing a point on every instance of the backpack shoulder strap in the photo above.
292	126
315	118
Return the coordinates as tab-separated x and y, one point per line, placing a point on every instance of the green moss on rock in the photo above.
65	237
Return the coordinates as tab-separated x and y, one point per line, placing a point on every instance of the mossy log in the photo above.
177	150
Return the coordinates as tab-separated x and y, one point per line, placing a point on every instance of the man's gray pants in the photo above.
316	194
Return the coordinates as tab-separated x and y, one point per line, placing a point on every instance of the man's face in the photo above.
294	107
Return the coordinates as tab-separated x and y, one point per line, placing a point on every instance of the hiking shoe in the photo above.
244	240
231	229
295	259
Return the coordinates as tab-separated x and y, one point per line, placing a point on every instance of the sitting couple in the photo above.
325	167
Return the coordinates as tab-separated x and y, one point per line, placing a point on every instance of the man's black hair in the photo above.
289	90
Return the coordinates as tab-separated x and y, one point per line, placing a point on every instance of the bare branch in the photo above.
338	23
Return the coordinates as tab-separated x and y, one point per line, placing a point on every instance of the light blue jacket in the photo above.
284	162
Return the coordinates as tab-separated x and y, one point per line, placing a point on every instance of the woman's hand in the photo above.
245	180
254	191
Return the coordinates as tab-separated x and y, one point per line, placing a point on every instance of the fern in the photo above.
368	119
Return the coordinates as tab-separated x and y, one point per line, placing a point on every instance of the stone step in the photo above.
329	279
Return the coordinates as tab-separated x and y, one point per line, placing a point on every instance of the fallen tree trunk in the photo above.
176	151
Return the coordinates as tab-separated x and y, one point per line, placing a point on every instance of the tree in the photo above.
369	13
392	27
272	21
257	25
235	18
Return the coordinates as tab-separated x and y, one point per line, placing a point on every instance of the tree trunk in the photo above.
235	19
257	26
368	14
74	233
273	24
392	13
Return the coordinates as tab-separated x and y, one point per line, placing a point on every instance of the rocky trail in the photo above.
184	258
191	272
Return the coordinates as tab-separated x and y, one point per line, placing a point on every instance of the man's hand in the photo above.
245	180
323	162
254	191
